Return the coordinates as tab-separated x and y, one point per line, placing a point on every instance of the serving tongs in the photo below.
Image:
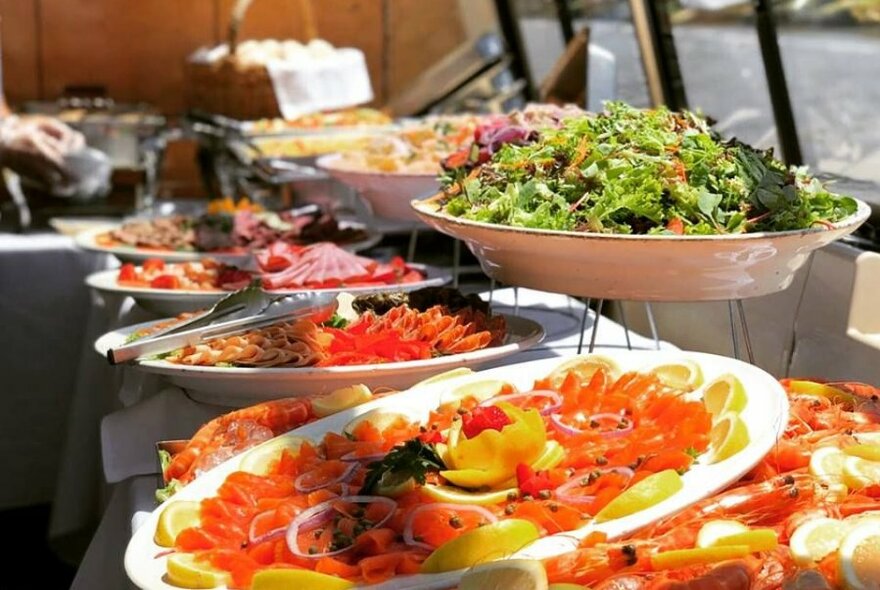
238	312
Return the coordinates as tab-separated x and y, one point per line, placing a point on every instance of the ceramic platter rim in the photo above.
765	413
105	282
428	211
242	386
86	241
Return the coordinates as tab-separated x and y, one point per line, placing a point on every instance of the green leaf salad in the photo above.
636	171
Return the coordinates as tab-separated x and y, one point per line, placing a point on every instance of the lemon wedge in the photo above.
859	473
380	418
816	538
866	452
584	366
728	437
702	555
827	463
715	529
725	394
650	491
444	376
288	578
859	557
176	516
184	571
341	399
453	495
479	390
260	459
509	574
754	539
486	543
685	374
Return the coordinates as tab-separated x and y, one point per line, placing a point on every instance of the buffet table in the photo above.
155	412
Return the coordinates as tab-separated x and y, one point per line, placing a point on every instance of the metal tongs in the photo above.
241	311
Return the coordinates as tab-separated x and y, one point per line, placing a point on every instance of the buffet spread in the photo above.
368	450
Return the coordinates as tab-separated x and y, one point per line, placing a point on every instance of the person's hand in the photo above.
35	147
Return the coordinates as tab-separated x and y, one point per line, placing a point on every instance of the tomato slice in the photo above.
165	282
127	272
151	264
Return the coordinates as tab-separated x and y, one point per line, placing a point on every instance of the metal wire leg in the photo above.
620	307
733	334
596	325
516	301
491	290
456	262
583	325
653	325
411	249
747	340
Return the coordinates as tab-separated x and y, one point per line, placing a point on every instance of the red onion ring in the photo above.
344	476
318	513
255	539
562	492
548	393
408	536
556	420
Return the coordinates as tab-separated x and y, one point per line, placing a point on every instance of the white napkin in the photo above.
129	436
337	80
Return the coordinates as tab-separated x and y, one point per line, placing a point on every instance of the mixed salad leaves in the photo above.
639	171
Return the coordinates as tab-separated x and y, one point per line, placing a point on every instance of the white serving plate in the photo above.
638	267
172	302
244	386
766	414
388	193
86	241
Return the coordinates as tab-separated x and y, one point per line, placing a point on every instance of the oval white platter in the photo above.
244	386
86	241
765	413
171	302
640	267
388	193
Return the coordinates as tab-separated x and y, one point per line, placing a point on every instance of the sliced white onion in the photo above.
548	393
319	513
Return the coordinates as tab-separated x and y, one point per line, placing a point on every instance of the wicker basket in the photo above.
229	88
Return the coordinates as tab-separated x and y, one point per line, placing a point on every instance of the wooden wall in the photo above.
136	48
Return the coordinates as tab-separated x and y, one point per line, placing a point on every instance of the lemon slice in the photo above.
725	394
754	539
728	437
444	376
864	451
700	556
859	557
827	463
176	516
453	495
288	578
584	366
685	374
260	459
868	438
858	473
716	529
486	543
650	491
379	418
341	399
815	539
479	390
834	394
184	571
509	574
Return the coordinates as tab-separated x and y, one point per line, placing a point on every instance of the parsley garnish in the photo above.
415	459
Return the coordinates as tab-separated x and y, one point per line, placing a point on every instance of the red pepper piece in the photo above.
484	418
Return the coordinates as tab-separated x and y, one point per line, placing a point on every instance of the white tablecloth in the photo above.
128	435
